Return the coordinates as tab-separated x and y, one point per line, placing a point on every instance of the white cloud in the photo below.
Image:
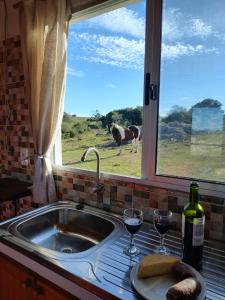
183	35
177	26
111	86
171	24
76	73
129	53
111	50
200	29
122	20
177	50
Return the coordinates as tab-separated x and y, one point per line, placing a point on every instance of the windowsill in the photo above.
136	180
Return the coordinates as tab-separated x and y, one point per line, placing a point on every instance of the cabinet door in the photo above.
47	291
15	282
18	283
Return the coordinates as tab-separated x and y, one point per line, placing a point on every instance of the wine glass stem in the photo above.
162	240
131	241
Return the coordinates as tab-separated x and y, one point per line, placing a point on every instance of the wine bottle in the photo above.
193	223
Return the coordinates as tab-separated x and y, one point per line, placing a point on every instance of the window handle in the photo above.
154	92
151	90
147	88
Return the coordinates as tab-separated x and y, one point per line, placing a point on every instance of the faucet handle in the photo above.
98	188
79	206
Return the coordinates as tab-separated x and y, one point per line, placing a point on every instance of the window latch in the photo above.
151	90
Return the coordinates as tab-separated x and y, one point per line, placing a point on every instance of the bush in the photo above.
81	128
95	125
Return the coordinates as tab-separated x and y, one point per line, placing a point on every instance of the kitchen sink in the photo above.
61	229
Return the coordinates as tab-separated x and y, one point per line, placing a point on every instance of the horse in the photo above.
123	134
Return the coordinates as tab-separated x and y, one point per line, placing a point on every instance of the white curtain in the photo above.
44	28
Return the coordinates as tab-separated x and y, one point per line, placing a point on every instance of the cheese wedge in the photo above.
156	264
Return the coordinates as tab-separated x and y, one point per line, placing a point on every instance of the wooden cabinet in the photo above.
14	283
18	283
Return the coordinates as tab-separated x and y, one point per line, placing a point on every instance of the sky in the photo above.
105	63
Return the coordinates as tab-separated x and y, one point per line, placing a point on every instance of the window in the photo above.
191	135
176	51
104	93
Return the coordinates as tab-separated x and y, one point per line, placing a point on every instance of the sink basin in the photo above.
61	229
66	230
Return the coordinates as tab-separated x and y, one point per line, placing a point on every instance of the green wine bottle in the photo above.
193	223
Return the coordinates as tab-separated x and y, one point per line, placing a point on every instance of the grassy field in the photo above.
201	157
125	163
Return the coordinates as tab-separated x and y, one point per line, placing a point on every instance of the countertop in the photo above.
112	268
13	189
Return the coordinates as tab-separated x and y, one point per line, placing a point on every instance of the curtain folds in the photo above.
44	28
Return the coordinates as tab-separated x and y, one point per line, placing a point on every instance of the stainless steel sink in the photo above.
62	230
65	230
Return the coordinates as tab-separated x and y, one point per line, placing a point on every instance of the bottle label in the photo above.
198	231
183	225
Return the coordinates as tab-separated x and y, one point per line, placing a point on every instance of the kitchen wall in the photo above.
119	195
15	134
13	22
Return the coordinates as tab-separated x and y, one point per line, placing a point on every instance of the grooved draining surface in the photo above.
115	266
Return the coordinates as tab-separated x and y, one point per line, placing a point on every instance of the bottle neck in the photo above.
194	196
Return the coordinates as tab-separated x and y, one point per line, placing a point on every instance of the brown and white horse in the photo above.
121	134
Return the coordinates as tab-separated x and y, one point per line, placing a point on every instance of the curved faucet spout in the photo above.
84	156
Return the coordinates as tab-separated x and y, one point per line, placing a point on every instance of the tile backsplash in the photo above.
14	123
7	208
14	112
118	195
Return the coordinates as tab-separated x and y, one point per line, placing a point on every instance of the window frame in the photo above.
150	112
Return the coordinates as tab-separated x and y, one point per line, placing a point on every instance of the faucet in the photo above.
99	187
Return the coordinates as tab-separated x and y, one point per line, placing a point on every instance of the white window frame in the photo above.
150	112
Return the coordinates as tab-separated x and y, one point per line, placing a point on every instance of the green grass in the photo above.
126	163
202	157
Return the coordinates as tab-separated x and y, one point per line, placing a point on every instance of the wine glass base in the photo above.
162	250
131	251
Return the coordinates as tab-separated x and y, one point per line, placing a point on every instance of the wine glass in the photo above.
133	219
162	221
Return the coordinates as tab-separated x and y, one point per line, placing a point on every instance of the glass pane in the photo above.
105	77
191	135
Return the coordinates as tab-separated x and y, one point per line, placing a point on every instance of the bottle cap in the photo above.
194	184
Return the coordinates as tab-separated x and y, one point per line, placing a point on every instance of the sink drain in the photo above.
67	250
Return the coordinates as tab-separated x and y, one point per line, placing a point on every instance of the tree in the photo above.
208	102
179	114
125	117
116	117
183	115
96	116
66	117
177	108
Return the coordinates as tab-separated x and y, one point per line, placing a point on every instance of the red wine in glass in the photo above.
162	221
133	219
162	228
132	224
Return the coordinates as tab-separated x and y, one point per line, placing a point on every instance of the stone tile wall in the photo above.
7	208
14	112
14	122
119	195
